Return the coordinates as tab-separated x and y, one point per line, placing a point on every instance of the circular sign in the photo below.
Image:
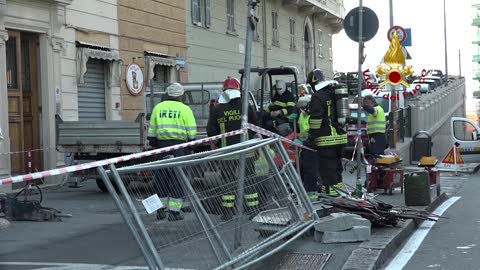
401	33
370	24
134	79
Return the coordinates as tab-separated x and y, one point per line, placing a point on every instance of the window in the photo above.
330	54
292	34
275	39
320	43
230	16
464	131
201	13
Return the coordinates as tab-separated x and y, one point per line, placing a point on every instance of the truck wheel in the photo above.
102	186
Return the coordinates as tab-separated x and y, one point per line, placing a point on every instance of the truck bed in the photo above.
101	136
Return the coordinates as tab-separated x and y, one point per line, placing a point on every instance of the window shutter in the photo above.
208	21
195	6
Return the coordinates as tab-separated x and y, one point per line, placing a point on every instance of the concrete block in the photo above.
340	222
357	234
4	223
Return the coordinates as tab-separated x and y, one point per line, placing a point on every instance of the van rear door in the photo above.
465	135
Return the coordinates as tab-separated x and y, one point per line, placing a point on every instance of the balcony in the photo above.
329	12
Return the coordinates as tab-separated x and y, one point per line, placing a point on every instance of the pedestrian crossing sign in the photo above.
450	157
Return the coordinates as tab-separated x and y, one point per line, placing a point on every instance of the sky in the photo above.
425	18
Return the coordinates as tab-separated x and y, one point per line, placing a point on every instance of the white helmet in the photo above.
319	86
303	102
280	86
175	90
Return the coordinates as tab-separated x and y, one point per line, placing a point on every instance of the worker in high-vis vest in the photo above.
224	117
308	159
171	123
326	135
278	113
375	126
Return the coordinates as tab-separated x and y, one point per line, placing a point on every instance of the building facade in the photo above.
289	33
59	57
69	58
153	36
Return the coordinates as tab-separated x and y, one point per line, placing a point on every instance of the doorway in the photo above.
23	112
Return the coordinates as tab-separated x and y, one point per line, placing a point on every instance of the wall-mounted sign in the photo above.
134	79
180	62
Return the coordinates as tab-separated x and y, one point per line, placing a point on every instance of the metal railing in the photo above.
194	212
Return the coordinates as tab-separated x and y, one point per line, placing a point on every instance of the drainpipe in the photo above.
265	48
314	43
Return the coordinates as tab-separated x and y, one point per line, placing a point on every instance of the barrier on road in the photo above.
216	230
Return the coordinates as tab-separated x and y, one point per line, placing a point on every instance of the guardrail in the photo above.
428	112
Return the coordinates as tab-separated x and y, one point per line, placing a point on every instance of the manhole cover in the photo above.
303	261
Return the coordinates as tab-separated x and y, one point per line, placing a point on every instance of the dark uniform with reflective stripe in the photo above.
326	136
226	117
284	103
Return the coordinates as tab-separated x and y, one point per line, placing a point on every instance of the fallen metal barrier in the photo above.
196	211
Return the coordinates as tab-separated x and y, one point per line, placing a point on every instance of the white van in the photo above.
465	135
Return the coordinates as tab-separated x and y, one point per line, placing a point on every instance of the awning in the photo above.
153	59
86	51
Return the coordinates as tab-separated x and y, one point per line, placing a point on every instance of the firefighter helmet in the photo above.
303	102
314	77
231	83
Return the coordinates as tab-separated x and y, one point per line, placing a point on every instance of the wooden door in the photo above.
23	113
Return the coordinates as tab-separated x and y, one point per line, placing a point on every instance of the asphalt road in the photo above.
452	243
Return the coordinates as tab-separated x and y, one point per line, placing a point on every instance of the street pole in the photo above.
393	107
445	37
358	185
459	64
245	91
391	12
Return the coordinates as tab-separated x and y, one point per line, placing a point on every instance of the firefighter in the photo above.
278	113
308	159
224	117
325	133
375	126
171	123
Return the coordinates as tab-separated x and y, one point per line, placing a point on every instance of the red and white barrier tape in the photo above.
84	166
26	151
275	135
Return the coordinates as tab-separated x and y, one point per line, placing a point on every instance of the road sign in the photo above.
401	33
408	40
451	156
370	24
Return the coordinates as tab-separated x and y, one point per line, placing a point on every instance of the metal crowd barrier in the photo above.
196	212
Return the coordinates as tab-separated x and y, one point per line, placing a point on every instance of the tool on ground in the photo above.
385	172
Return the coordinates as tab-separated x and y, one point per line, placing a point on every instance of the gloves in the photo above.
293	117
372	140
275	114
298	141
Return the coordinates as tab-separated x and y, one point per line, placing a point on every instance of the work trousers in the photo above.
377	143
323	167
167	182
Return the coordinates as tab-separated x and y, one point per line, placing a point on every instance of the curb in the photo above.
4	224
375	253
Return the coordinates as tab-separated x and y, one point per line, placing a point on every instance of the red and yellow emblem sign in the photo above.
396	71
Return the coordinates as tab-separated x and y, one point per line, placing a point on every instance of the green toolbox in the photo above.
417	189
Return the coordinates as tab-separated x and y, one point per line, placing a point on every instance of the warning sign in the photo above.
451	156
